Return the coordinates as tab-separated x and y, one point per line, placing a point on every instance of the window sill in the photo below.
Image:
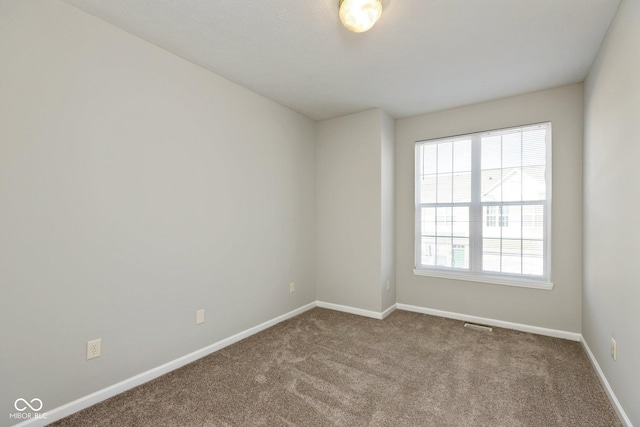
495	280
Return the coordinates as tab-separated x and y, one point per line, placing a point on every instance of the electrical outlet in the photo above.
200	316
388	284
614	349
94	348
292	287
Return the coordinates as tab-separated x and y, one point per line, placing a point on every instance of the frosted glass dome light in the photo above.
360	15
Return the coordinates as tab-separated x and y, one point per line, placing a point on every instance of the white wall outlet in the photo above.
94	348
292	287
199	316
388	284
614	349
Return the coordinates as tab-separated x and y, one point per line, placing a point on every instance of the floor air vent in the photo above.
478	327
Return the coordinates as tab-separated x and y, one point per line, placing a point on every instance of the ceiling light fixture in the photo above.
360	15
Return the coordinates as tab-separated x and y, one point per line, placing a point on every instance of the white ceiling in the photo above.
423	55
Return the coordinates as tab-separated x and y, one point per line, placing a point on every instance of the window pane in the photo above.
428	254
429	158
511	256
534	147
443	221
445	157
511	185
460	225
462	187
428	221
428	189
512	150
491	188
534	183
490	222
491	153
460	253
533	222
532	257
462	156
510	221
445	188
491	255
444	256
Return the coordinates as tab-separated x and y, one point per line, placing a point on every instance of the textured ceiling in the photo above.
423	55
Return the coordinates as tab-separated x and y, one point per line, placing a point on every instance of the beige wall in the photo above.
354	241
556	309
135	188
388	209
611	300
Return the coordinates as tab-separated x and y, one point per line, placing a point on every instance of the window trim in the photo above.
475	273
507	280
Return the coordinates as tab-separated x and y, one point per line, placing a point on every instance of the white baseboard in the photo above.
388	311
353	310
493	322
100	395
607	387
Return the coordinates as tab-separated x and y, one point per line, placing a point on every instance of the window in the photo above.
483	206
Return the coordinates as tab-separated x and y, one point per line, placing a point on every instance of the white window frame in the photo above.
475	273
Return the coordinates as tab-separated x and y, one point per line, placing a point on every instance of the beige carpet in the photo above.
326	368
